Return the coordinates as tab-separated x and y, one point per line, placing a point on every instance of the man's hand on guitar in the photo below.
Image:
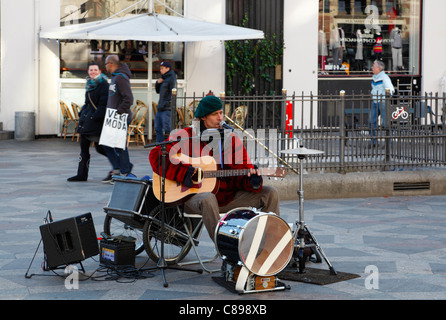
193	176
197	176
255	179
253	171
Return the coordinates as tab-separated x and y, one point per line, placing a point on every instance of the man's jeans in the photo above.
162	124
378	108
119	158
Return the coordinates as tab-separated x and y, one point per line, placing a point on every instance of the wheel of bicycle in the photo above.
176	246
115	227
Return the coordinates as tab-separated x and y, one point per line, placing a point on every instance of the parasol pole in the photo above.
149	79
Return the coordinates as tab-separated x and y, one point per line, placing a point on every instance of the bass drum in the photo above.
262	242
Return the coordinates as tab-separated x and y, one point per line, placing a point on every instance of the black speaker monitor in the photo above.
69	240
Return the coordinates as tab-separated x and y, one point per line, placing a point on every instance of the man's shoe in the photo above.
109	178
76	178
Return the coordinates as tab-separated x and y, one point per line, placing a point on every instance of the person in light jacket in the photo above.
380	82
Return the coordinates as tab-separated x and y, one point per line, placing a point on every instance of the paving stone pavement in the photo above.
395	244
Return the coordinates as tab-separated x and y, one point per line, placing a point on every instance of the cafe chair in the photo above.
76	110
68	119
137	126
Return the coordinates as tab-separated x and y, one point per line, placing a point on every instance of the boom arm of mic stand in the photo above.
265	147
155	144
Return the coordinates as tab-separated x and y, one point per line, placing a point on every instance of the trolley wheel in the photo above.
114	227
176	246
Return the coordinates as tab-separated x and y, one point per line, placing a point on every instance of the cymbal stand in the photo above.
162	265
302	229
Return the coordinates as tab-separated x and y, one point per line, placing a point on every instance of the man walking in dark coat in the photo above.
164	87
120	97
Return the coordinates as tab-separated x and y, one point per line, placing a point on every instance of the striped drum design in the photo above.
261	242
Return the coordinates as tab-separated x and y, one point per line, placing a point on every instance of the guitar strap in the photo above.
221	153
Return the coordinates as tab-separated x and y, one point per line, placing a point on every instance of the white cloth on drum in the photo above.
250	259
274	255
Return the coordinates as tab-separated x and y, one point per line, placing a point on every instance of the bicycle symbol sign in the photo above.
400	112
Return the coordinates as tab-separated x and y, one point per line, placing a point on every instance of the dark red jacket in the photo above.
234	156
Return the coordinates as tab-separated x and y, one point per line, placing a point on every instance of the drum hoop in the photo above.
223	219
240	208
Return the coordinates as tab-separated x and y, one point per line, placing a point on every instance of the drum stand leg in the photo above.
302	230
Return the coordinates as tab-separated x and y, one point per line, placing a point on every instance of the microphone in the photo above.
224	125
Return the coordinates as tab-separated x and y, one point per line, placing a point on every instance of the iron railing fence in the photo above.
410	135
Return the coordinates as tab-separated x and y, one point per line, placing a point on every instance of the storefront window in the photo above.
352	34
75	55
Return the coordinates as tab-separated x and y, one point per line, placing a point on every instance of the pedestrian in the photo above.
233	191
120	97
380	82
91	118
163	87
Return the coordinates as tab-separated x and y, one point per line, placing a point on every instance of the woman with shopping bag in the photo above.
91	118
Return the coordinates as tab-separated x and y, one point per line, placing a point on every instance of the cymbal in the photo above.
302	151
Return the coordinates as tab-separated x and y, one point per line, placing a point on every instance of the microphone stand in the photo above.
47	219
162	265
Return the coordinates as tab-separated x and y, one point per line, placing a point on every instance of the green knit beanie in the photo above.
208	105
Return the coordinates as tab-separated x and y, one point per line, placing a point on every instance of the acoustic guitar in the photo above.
175	191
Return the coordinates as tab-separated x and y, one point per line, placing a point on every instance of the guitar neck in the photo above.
209	166
226	173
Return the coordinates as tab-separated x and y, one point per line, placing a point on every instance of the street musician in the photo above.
209	170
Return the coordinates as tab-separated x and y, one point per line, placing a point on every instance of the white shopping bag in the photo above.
114	129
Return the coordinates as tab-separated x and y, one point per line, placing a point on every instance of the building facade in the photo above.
329	45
